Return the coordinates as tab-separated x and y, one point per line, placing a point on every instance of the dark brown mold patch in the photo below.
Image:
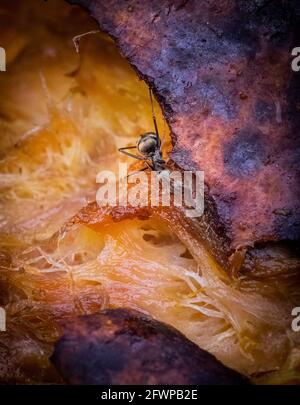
264	111
245	153
122	346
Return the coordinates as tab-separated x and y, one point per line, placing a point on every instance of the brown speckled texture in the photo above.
122	346
221	70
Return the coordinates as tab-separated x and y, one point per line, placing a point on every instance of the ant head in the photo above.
147	144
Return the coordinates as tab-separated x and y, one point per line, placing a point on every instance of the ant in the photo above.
149	147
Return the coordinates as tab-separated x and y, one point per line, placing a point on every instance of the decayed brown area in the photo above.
256	299
221	71
122	346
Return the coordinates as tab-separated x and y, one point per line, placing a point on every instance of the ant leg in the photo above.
149	165
154	118
123	150
141	170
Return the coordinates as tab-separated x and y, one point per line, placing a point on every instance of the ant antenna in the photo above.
164	132
77	38
153	116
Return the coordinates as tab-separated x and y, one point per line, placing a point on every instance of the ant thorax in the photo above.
158	161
